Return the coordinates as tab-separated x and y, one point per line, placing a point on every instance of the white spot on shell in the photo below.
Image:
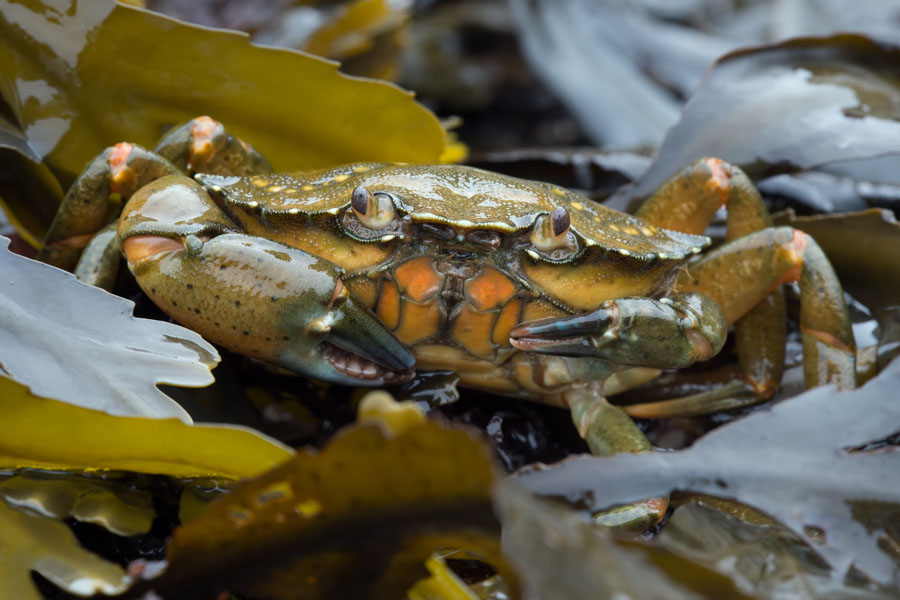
533	254
695	250
663	255
623	252
294	211
253	204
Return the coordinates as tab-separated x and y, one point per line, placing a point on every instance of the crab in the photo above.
361	274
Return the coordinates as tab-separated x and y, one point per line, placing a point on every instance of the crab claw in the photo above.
358	348
563	336
271	302
671	332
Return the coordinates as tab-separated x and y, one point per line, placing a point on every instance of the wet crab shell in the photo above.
480	200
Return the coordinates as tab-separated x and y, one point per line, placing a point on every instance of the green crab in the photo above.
362	273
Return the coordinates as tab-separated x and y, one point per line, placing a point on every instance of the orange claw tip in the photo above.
720	176
122	178
203	131
764	388
147	246
118	156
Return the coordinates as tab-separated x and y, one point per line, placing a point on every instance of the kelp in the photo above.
73	342
560	555
31	541
32	508
357	520
795	105
110	502
804	462
29	192
46	434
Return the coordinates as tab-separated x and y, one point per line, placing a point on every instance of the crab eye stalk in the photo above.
375	211
551	231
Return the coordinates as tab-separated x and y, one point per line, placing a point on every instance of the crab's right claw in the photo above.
269	301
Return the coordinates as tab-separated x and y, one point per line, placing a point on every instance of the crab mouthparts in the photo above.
356	366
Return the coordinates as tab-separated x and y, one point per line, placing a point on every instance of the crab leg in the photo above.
687	202
202	145
96	198
742	272
737	276
251	295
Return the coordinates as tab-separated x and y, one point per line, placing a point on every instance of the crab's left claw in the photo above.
269	301
672	332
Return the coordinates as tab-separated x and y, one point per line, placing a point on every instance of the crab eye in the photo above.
361	201
560	221
375	211
551	231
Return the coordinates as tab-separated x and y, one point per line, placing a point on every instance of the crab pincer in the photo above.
671	332
272	302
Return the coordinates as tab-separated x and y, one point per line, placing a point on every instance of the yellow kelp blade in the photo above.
104	72
357	520
46	434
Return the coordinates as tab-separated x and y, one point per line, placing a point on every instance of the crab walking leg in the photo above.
687	202
99	263
96	198
741	273
607	430
202	145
